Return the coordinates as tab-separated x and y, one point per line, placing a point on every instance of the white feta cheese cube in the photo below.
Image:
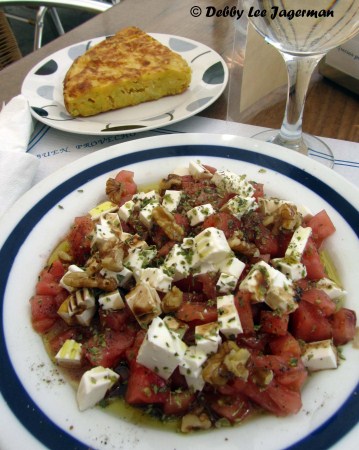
70	354
197	170
85	298
280	293
192	361
122	278
207	337
139	257
187	243
71	269
111	300
171	200
181	171
294	270
94	385
199	214
232	183
145	215
228	318
231	266
204	267
211	246
298	243
320	355
330	288
255	281
238	206
226	283
143	198
145	303
270	205
103	233
178	262
86	316
267	284
156	278
176	326
161	350
102	208
126	210
195	382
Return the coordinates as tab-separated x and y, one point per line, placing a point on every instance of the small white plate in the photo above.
43	87
38	407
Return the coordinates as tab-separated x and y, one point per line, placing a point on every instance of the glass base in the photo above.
317	149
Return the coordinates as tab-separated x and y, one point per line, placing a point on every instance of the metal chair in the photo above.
9	50
44	6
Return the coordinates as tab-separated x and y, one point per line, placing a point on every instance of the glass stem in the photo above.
299	70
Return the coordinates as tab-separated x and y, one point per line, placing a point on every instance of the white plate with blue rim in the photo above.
43	87
38	409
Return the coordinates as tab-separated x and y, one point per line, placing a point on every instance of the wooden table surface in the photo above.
330	111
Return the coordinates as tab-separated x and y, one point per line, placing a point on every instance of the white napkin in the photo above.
17	168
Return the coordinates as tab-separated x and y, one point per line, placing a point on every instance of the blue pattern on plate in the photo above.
214	74
77	50
14	393
48	68
178	45
198	103
46	92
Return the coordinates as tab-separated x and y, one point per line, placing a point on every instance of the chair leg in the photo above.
39	26
57	22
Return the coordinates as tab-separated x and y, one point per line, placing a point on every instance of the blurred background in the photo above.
22	22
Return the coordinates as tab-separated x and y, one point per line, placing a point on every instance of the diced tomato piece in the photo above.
258	190
274	323
312	262
145	386
343	326
131	352
295	377
125	177
265	241
106	349
285	346
115	319
278	364
48	288
257	344
178	403
208	283
309	323
320	299
283	239
43	312
275	398
234	408
166	248
79	238
242	302
196	312
322	227
223	221
182	220
61	297
57	269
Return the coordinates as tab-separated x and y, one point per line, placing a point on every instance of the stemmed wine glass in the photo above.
303	31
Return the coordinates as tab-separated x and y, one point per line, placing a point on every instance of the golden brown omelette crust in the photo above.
124	63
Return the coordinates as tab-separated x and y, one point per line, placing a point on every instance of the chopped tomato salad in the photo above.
203	300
